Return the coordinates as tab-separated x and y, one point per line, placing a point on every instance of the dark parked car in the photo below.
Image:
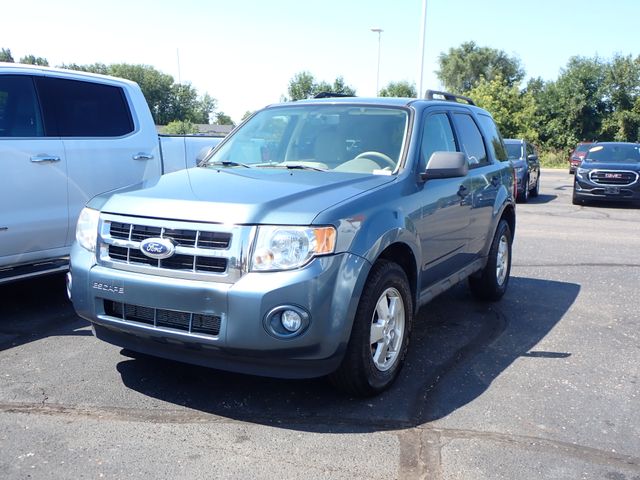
525	160
610	171
578	154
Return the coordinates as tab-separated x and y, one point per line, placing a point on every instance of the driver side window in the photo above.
437	136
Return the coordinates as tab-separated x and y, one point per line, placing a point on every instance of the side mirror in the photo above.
532	157
446	165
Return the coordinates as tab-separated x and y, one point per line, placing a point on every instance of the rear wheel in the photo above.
491	282
380	334
524	198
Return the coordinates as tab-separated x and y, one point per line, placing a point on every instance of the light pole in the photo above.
423	28
379	32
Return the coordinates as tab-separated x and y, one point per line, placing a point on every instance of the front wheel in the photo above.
380	334
491	282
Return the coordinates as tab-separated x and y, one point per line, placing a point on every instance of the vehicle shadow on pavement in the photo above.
542	198
458	347
37	308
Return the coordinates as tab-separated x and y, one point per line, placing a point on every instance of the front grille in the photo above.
613	177
187	238
157	317
196	251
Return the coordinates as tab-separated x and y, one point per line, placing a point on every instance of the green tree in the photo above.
180	127
399	89
100	68
463	67
303	85
572	108
621	91
246	115
223	119
33	60
5	55
511	109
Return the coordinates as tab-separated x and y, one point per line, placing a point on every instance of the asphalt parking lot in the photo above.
544	384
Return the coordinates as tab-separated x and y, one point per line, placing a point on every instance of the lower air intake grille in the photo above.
157	317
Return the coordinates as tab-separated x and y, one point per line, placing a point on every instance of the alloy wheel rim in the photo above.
502	260
387	329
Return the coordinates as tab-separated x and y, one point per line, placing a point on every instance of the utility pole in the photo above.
423	29
379	32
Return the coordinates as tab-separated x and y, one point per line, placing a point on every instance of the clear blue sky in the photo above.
244	52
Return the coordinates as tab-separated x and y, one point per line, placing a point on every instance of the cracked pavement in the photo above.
544	384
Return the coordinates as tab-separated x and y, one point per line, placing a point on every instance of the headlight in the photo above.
87	229
581	171
286	248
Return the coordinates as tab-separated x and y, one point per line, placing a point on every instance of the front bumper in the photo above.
327	288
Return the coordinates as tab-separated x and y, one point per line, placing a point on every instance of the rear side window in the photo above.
19	108
471	140
83	109
494	139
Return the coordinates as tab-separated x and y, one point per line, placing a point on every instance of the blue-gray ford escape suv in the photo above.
306	242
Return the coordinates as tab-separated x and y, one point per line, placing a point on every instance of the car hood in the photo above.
239	196
634	166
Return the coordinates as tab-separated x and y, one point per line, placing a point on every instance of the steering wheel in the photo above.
378	156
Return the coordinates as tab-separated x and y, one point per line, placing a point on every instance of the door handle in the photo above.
142	156
44	158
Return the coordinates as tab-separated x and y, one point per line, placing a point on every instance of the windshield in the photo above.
614	153
514	151
344	138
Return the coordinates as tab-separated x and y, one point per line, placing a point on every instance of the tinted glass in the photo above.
494	139
614	153
19	109
514	151
437	136
471	140
84	109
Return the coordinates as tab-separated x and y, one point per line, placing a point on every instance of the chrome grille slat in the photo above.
203	251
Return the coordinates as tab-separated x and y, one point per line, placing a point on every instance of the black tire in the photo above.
535	191
524	198
359	373
575	199
491	283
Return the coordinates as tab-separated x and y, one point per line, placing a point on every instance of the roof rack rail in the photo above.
331	95
449	97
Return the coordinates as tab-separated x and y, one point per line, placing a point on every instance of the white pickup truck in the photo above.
65	137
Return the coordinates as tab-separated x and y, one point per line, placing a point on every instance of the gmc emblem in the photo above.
612	175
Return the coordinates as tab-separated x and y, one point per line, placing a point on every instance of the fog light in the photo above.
287	321
291	320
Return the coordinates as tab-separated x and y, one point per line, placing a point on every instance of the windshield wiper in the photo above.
228	163
300	166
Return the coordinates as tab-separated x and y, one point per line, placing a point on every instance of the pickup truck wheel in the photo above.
491	282
380	334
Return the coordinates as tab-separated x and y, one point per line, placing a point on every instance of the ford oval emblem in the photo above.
157	248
